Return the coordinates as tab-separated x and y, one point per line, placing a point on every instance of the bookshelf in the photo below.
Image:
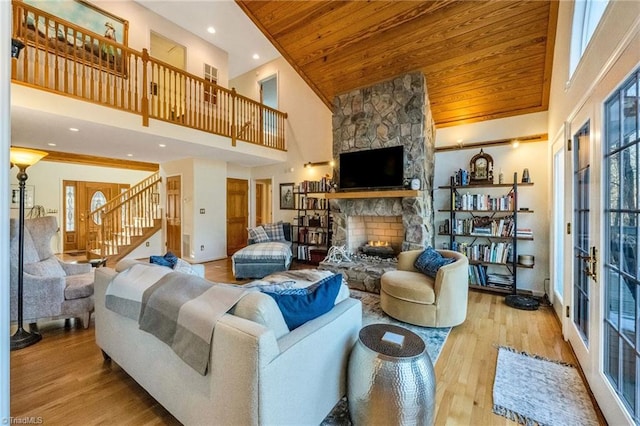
312	225
483	224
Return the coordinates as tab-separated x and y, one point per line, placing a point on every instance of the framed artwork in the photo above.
29	196
287	201
89	17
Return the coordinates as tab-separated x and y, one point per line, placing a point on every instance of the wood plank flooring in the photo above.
64	380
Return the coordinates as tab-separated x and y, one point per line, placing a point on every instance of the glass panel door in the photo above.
621	272
582	265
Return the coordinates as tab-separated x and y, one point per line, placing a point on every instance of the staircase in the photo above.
120	225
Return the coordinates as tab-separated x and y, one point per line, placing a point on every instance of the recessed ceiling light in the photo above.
211	30
73	129
256	56
51	144
129	155
161	145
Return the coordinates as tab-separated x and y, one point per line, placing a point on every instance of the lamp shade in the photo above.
25	156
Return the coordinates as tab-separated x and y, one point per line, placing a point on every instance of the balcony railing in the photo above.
66	59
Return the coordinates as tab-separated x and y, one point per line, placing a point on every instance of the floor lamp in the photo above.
23	158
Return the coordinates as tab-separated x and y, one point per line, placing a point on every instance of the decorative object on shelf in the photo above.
337	254
481	168
415	184
500	177
525	176
286	196
23	158
526	259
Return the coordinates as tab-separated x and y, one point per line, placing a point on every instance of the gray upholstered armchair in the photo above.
51	288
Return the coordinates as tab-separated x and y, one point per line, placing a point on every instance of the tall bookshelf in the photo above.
483	224
312	226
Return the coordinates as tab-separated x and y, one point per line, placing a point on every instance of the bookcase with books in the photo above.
483	224
312	225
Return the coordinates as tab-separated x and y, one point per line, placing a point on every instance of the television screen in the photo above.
372	169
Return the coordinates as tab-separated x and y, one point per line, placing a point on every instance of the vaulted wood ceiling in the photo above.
482	59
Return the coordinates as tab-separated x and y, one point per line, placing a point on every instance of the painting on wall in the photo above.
86	16
286	196
29	196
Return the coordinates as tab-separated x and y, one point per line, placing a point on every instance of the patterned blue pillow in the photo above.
258	235
275	231
301	305
430	261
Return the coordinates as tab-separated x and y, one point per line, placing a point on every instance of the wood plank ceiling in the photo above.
482	59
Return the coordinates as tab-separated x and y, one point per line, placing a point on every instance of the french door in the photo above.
621	354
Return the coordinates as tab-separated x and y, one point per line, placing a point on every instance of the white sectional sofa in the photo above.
259	374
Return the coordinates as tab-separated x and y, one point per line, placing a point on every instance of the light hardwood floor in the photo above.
64	380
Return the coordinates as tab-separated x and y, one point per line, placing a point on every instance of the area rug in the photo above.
372	314
532	390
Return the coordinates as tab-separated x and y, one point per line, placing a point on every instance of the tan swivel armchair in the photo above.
415	298
51	288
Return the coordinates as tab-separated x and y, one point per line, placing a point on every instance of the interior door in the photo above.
260	199
174	215
237	214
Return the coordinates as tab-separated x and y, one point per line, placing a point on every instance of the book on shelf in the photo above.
484	226
481	202
491	253
524	233
322	185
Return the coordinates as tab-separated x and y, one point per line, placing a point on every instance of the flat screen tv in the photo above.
381	168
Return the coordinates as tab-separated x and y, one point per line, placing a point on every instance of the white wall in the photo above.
308	130
142	21
210	194
613	48
47	177
204	186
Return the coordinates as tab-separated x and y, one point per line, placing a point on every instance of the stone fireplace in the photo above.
376	235
391	113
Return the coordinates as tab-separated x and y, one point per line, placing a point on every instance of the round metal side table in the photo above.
388	382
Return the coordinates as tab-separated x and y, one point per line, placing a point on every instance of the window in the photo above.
586	16
210	75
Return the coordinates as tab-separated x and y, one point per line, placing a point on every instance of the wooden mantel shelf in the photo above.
401	193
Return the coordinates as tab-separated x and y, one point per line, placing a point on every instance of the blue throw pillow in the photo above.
301	305
430	261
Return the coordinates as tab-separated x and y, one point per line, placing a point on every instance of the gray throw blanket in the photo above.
179	309
182	311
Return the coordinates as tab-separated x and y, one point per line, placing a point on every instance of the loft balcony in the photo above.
66	59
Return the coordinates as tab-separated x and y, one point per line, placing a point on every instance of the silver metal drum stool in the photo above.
391	380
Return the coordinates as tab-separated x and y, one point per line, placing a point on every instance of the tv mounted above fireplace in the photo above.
381	168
